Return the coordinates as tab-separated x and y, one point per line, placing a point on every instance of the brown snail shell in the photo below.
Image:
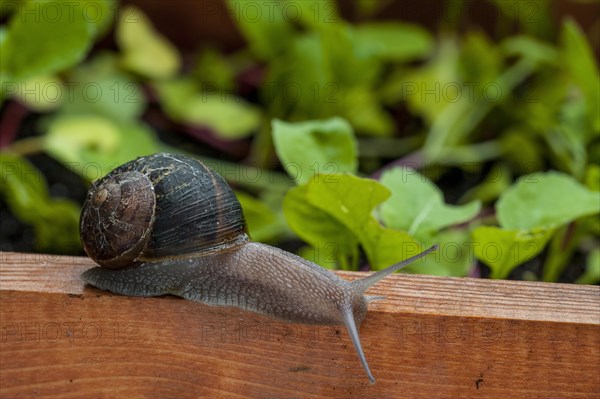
156	207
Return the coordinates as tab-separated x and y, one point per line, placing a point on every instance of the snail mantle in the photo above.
430	337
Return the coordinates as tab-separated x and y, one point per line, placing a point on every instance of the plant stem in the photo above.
560	250
27	146
9	126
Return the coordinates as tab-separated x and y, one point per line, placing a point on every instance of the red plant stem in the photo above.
10	122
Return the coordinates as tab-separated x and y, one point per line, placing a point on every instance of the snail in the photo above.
168	224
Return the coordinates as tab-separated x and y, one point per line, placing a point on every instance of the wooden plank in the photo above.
431	337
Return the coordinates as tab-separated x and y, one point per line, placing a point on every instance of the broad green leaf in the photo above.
308	84
336	214
429	89
502	249
417	205
41	93
101	13
320	75
385	246
44	37
454	258
307	149
23	182
99	88
351	200
315	226
393	41
530	47
264	24
581	63
94	145
480	60
228	116
215	71
349	64
545	199
55	221
145	50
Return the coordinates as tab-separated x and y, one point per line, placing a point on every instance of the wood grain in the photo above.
431	337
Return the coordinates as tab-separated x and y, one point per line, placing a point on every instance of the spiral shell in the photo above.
161	206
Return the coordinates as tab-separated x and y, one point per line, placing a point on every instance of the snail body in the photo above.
167	224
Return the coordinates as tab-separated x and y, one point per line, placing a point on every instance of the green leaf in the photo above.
350	201
502	250
454	258
480	59
417	204
317	228
215	70
423	86
350	66
393	41
264	25
145	50
454	103
545	199
41	93
336	213
94	145
45	37
531	48
99	88
228	116
307	83
385	246
55	221
579	58
309	148
100	13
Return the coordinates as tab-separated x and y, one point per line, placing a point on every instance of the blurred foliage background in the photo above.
354	133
